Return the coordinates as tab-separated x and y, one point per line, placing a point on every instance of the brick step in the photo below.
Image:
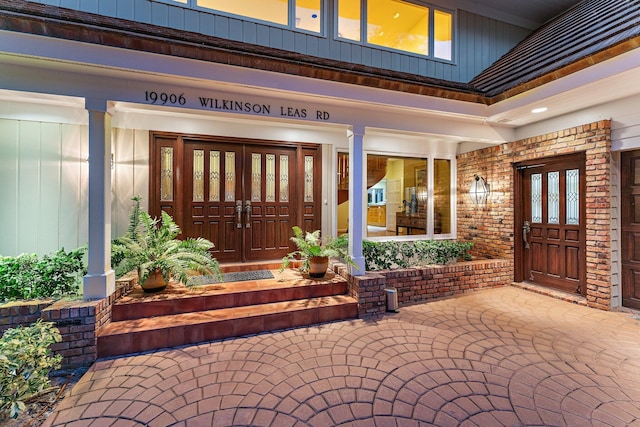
178	299
133	336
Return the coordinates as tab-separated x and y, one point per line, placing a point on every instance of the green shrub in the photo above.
25	363
393	255
29	276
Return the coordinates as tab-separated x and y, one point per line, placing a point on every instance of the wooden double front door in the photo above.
243	195
550	223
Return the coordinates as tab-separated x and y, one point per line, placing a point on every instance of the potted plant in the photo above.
151	248
315	251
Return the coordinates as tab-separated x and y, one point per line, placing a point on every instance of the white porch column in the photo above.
100	280
357	214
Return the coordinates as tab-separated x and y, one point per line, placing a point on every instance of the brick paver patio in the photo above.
503	356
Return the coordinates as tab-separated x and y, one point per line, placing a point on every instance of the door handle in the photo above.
526	228
239	214
247	211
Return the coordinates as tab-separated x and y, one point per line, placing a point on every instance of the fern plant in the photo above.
151	244
309	244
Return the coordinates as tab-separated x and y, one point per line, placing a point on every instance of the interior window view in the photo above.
307	12
399	200
398	25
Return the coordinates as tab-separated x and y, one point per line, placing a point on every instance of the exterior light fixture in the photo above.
479	190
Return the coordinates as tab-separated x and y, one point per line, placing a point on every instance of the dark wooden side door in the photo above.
630	217
552	221
244	196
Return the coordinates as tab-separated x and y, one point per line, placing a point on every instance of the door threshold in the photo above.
554	293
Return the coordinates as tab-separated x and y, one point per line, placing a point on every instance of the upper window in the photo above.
299	14
398	25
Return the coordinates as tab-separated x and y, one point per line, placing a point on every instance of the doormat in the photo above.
236	276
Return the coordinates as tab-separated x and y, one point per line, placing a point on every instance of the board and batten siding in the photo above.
130	175
480	40
616	242
43	171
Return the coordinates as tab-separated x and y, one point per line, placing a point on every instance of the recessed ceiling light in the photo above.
539	110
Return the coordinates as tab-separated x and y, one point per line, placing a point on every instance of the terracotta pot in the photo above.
154	283
318	266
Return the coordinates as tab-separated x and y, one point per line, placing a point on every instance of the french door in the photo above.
244	196
630	212
551	220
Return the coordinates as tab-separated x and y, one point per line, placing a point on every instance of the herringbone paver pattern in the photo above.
497	357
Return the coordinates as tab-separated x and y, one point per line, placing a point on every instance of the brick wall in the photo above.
491	226
78	322
428	283
421	284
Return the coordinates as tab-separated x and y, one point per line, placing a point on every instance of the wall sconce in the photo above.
479	190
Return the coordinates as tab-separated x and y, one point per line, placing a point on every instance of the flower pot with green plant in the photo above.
151	248
315	251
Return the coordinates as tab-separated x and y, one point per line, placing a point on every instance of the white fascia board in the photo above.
149	63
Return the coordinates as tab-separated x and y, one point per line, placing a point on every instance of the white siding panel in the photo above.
48	222
9	187
83	199
616	244
72	163
28	200
141	164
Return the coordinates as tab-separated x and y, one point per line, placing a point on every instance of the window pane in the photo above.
308	178
214	176
270	176
349	19
266	10
284	178
398	25
256	177
308	15
553	197
230	177
198	175
166	174
536	198
443	23
573	196
441	196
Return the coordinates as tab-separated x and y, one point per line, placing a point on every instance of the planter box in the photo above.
421	284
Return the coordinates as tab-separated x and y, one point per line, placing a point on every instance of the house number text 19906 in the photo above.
164	98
